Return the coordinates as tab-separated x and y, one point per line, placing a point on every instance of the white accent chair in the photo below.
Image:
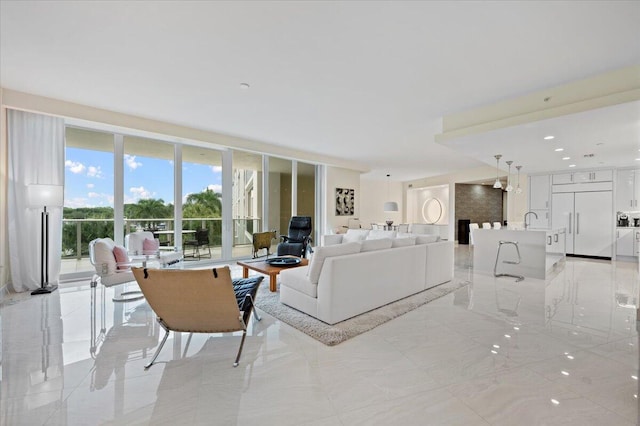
108	271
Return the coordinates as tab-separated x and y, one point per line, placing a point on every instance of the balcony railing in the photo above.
77	233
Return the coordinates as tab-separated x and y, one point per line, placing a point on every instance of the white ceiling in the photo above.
363	81
611	134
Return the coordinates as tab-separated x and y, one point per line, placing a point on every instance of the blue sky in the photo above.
89	178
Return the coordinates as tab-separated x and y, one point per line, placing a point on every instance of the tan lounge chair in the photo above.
198	301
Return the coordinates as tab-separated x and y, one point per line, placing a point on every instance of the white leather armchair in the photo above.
108	271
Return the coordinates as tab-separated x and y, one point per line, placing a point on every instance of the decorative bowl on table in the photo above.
283	261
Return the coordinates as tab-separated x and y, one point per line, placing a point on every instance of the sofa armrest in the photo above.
331	240
440	261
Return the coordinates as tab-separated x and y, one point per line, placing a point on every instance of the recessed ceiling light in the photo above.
637	159
244	86
566	158
548	138
559	149
572	165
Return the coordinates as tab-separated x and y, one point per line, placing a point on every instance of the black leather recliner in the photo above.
298	239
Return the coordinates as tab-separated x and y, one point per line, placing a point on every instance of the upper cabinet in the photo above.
539	190
627	190
582	177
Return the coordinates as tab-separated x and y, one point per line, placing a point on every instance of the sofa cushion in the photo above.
404	235
426	239
403	242
333	239
321	253
377	244
355	235
379	233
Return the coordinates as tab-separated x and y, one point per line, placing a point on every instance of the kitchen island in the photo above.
542	251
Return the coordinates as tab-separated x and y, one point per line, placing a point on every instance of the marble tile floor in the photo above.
560	351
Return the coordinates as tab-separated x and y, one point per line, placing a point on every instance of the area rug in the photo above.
332	335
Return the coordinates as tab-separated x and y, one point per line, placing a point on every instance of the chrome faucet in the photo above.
525	218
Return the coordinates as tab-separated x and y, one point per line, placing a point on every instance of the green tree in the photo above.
203	204
148	208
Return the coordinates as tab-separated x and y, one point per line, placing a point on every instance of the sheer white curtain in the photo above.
36	155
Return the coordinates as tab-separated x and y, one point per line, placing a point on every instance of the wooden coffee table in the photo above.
264	268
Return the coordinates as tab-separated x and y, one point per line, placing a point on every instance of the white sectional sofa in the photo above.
361	270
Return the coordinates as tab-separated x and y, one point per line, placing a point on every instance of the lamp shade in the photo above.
390	206
39	195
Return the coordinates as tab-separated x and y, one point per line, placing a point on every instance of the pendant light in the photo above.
497	183
509	188
518	189
390	206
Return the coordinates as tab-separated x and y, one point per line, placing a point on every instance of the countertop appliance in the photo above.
623	220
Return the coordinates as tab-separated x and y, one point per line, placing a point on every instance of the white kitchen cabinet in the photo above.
625	244
587	219
562	178
583	177
595	176
556	242
627	190
539	191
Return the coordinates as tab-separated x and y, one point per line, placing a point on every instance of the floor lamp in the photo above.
42	196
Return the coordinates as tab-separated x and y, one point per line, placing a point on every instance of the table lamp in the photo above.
41	195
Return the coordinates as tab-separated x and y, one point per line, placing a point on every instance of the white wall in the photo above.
416	197
337	177
374	195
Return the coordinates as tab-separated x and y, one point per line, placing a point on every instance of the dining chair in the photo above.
486	225
472	227
497	225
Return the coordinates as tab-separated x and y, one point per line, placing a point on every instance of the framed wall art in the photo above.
345	202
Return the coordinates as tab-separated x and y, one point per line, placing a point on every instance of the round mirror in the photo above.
432	210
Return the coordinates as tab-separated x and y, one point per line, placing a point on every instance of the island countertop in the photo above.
541	251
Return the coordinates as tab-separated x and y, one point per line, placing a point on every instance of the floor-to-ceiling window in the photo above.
279	194
117	184
149	187
247	200
88	195
202	197
306	192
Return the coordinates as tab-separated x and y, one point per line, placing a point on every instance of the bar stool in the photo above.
510	262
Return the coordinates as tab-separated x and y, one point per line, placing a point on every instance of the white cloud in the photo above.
140	192
215	188
130	161
90	185
74	167
93	195
216	169
93	171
